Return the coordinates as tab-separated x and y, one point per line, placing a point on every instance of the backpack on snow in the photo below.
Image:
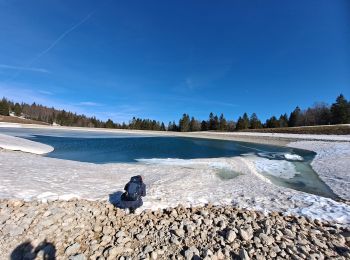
133	191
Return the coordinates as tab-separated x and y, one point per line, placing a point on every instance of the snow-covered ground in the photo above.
332	163
20	144
171	182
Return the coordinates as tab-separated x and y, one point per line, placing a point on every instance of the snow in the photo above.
321	208
19	144
175	181
293	157
278	168
332	163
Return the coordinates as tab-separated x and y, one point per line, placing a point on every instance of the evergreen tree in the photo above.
255	123
204	125
162	127
231	126
294	117
213	122
4	107
109	124
194	125
272	122
222	123
240	124
184	123
245	121
340	111
283	120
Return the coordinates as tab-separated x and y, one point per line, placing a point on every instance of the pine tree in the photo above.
184	123
340	111
255	123
240	124
194	125
17	109
4	107
245	121
283	120
212	122
272	122
109	124
222	123
204	125
294	117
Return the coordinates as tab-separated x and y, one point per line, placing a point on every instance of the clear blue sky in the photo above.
159	59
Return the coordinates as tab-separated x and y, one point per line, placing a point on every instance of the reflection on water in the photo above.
284	166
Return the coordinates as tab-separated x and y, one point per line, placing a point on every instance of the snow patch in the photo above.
321	208
20	144
278	168
293	157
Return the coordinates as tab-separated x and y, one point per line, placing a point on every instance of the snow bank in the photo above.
332	164
278	168
321	208
19	144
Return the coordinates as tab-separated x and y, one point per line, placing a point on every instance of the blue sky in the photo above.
159	59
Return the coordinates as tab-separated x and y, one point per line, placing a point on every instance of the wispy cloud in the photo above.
89	103
45	92
28	65
62	36
11	67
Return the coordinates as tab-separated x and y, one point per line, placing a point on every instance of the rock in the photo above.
287	232
72	249
245	234
77	257
230	236
179	232
204	213
147	249
267	240
243	254
154	255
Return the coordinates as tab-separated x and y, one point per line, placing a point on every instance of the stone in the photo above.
77	257
72	249
147	249
243	254
245	234
267	240
230	236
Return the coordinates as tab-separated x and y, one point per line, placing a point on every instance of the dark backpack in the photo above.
133	191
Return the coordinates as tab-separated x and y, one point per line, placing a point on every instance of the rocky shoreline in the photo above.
81	229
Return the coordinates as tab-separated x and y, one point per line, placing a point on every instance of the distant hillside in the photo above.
317	130
13	119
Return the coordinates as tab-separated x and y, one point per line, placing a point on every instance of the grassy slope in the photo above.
12	119
323	129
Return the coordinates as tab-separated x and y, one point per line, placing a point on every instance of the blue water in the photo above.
97	147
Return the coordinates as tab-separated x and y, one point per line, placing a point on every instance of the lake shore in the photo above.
34	177
61	196
81	229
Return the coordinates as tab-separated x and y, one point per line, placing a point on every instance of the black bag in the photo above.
133	191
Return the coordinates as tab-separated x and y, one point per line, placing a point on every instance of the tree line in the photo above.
318	114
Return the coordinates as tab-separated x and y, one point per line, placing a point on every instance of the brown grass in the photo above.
318	130
12	119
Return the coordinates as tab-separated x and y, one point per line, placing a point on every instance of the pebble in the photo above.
82	229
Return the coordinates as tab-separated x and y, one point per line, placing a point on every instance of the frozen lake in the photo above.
284	166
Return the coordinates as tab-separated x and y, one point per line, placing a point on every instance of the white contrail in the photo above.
52	45
60	38
11	67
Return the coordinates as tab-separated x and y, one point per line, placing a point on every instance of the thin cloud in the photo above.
62	36
89	103
10	67
45	92
52	45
